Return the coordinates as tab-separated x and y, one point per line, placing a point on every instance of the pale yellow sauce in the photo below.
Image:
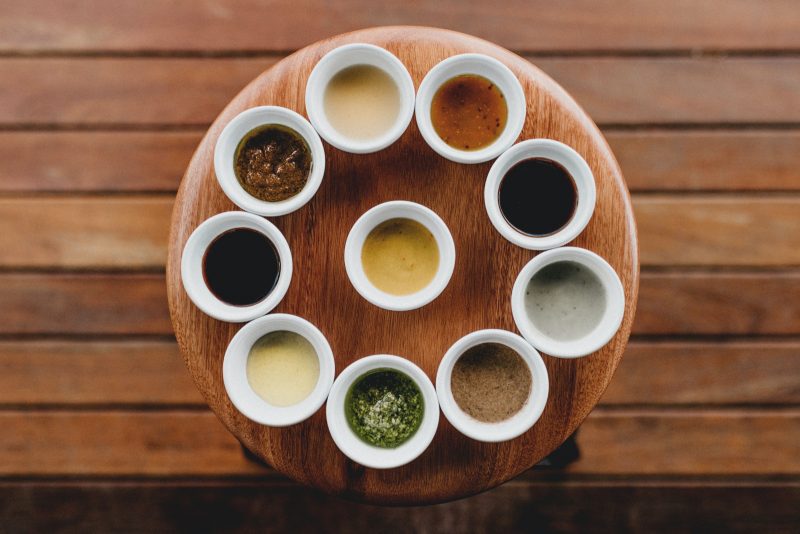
400	256
282	368
362	102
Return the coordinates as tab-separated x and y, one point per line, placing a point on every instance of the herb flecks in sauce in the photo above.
384	408
272	163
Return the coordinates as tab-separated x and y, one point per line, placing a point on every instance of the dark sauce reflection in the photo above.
538	197
241	266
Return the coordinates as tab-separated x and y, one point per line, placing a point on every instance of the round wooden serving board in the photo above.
477	297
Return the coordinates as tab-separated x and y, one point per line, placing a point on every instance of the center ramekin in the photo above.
399	209
368	455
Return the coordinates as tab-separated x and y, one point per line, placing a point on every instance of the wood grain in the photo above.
107	161
188	443
150	161
726	303
138	92
113	232
709	160
96	232
676	303
571	506
151	373
95	373
36	304
708	230
684	373
237	25
453	466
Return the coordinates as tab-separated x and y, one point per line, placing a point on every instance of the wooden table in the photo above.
102	426
477	296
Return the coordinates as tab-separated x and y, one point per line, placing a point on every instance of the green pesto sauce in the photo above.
384	408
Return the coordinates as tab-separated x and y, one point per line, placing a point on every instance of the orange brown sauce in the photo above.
469	112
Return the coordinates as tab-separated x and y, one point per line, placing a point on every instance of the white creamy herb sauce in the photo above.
565	300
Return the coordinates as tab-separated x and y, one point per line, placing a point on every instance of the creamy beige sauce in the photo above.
400	256
282	368
362	102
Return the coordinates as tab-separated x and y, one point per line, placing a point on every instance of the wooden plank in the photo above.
529	25
86	304
104	373
132	91
189	91
724	303
664	160
120	443
152	373
669	303
515	507
196	444
709	160
96	232
736	372
78	161
701	443
710	230
111	232
686	91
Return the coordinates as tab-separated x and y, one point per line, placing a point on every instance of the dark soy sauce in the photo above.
538	197
241	266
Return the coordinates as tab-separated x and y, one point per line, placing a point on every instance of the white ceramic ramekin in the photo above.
368	455
399	209
234	371
348	56
572	162
225	153
489	68
517	424
605	329
192	266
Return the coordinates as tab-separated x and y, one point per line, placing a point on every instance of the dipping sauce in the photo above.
241	266
538	197
400	256
565	300
272	162
469	112
491	382
362	102
282	368
384	408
